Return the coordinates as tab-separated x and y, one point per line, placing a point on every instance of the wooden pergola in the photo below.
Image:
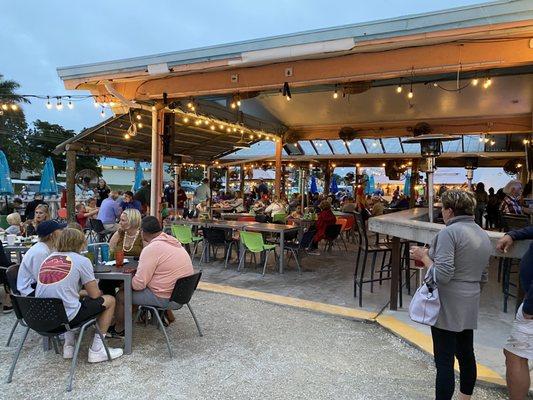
470	71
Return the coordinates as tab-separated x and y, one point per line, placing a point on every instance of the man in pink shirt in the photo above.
162	262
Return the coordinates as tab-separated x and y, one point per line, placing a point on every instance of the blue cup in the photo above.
104	252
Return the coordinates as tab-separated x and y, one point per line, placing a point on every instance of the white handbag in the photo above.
425	304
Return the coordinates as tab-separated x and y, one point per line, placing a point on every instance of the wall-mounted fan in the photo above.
86	179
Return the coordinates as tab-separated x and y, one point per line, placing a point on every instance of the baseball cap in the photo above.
46	228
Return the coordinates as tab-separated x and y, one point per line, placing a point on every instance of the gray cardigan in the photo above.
460	254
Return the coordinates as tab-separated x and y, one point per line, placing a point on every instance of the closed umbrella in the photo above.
371	185
407	185
48	183
6	187
313	189
333	188
139	176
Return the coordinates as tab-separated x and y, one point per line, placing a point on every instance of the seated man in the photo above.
109	212
82	214
130	202
48	232
61	275
162	262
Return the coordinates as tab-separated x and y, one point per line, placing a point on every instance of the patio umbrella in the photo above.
407	184
313	189
333	188
371	185
48	183
6	188
139	176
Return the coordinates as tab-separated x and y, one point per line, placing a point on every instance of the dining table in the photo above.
125	275
279	229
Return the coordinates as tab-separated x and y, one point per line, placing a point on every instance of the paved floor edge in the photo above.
390	323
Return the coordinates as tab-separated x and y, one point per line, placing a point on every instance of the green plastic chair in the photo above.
253	242
3	222
279	217
184	235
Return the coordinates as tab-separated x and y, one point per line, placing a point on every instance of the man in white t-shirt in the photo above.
48	232
61	276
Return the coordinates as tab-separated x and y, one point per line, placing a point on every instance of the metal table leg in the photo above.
128	321
282	251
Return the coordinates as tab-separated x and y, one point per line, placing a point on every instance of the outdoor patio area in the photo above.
251	349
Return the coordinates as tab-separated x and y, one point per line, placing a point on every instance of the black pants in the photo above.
446	345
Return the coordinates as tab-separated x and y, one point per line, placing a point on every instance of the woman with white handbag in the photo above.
457	260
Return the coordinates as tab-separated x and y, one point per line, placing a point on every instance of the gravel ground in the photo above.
251	350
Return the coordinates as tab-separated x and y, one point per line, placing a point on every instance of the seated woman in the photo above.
275	207
42	213
325	219
14	222
61	275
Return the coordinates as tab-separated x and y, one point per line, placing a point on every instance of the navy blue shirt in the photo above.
526	267
132	204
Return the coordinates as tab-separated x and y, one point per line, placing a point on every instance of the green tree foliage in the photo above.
44	138
25	148
13	127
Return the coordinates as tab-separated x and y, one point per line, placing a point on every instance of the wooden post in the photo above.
227	180
241	180
177	179
277	182
71	184
327	178
414	181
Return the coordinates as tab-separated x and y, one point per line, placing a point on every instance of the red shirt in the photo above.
81	220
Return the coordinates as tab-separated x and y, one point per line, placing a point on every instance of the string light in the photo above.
70	104
212	127
220	126
238	103
4	107
518	165
49	104
139	125
139	117
335	93
59	104
96	104
399	89
186	119
102	113
487	83
525	141
492	142
126	136
475	81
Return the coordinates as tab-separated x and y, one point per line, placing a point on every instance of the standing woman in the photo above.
42	213
103	191
460	255
482	199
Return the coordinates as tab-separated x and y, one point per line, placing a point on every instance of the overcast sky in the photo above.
38	36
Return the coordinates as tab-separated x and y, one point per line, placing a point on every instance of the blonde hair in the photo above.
134	217
508	189
71	240
13	219
461	202
46	209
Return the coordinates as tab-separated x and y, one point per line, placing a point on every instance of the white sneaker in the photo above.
68	351
101	355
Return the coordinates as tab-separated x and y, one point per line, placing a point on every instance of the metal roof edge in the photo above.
460	17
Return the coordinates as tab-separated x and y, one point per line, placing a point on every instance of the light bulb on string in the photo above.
233	105
399	89
96	104
238	103
102	113
126	136
492	142
139	125
49	104
335	93
4	107
220	126
139	117
475	81
212	127
59	104
410	95
487	83
70	104
186	119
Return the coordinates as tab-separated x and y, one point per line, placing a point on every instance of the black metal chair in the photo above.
11	283
332	234
510	222
47	317
293	247
213	239
181	295
97	230
364	249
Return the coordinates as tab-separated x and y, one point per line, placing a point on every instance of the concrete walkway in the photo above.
251	350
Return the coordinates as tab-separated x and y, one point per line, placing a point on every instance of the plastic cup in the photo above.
119	258
11	239
104	252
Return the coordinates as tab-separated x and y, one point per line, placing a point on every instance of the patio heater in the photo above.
430	149
471	163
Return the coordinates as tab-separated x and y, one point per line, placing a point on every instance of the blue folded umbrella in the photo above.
6	187
48	183
139	176
407	185
333	188
313	189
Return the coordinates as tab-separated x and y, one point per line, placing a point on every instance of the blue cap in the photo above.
46	228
